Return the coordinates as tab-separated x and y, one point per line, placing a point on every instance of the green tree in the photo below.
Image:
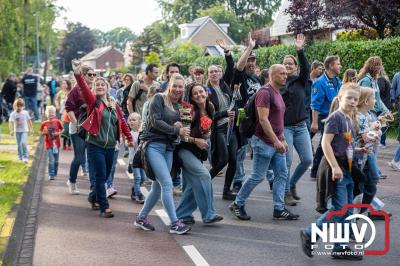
184	54
119	36
18	34
152	58
78	38
237	29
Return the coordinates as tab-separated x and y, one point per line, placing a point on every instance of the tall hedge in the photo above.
352	53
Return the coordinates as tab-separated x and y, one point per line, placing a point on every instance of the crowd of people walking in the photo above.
168	128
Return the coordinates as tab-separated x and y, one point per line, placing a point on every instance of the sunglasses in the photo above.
91	74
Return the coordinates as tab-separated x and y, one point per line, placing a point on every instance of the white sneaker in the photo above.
73	189
111	192
394	165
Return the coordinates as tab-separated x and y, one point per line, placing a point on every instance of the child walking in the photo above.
338	147
20	124
51	129
134	121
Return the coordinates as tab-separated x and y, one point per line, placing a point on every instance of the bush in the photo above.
352	53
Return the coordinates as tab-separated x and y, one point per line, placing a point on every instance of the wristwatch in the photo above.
186	139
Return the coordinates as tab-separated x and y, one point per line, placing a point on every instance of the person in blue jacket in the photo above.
324	89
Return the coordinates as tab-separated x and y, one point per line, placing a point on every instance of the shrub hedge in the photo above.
352	53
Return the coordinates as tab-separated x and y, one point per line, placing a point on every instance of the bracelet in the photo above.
193	140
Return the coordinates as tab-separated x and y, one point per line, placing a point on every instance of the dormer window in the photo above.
184	33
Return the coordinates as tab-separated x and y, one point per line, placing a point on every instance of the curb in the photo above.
19	249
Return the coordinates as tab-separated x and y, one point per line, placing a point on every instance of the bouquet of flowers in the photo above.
185	112
205	125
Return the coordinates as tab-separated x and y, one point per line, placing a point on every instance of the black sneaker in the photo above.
133	196
346	254
306	243
229	195
239	211
143	224
217	218
271	185
285	215
179	228
236	187
139	198
107	214
378	217
188	221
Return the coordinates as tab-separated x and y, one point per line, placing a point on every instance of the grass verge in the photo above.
14	174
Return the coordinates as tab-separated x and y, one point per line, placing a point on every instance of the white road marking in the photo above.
121	162
163	216
195	255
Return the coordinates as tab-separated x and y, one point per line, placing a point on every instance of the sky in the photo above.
107	15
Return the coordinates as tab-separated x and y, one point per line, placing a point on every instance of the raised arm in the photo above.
304	74
87	95
230	64
243	59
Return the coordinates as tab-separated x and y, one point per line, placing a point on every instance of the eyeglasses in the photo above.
91	74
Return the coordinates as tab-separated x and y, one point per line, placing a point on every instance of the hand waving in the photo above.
222	44
299	41
251	42
76	66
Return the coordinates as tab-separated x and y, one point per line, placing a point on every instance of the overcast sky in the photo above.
109	14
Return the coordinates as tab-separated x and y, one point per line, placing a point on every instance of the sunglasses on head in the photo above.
91	74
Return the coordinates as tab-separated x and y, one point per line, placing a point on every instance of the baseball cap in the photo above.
252	54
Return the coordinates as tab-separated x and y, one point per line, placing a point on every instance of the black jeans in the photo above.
226	154
318	153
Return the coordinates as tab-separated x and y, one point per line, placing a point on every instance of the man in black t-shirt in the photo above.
30	83
245	74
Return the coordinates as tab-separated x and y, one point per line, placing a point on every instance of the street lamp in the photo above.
37	41
143	65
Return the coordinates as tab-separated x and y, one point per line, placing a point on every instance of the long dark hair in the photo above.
209	106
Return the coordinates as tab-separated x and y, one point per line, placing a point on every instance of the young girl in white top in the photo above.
134	121
20	124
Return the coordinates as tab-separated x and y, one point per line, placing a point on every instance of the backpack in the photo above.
247	125
137	96
83	115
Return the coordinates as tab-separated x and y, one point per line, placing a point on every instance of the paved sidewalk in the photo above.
70	233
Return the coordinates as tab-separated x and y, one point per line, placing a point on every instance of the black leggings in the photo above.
226	154
66	142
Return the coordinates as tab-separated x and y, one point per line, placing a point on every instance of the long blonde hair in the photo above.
372	66
165	94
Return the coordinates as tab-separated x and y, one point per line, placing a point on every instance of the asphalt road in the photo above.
71	234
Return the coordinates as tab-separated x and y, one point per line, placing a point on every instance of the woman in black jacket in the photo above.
384	89
294	95
222	152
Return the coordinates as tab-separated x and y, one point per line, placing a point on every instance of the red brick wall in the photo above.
113	57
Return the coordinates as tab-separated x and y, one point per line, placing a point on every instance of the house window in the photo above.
184	33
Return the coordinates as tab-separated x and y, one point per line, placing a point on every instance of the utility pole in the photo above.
37	42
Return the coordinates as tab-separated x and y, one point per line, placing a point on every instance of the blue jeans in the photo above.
22	144
53	161
176	181
298	137
102	159
31	105
110	178
318	152
79	157
396	157
240	157
265	155
198	191
160	156
92	178
342	196
138	176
